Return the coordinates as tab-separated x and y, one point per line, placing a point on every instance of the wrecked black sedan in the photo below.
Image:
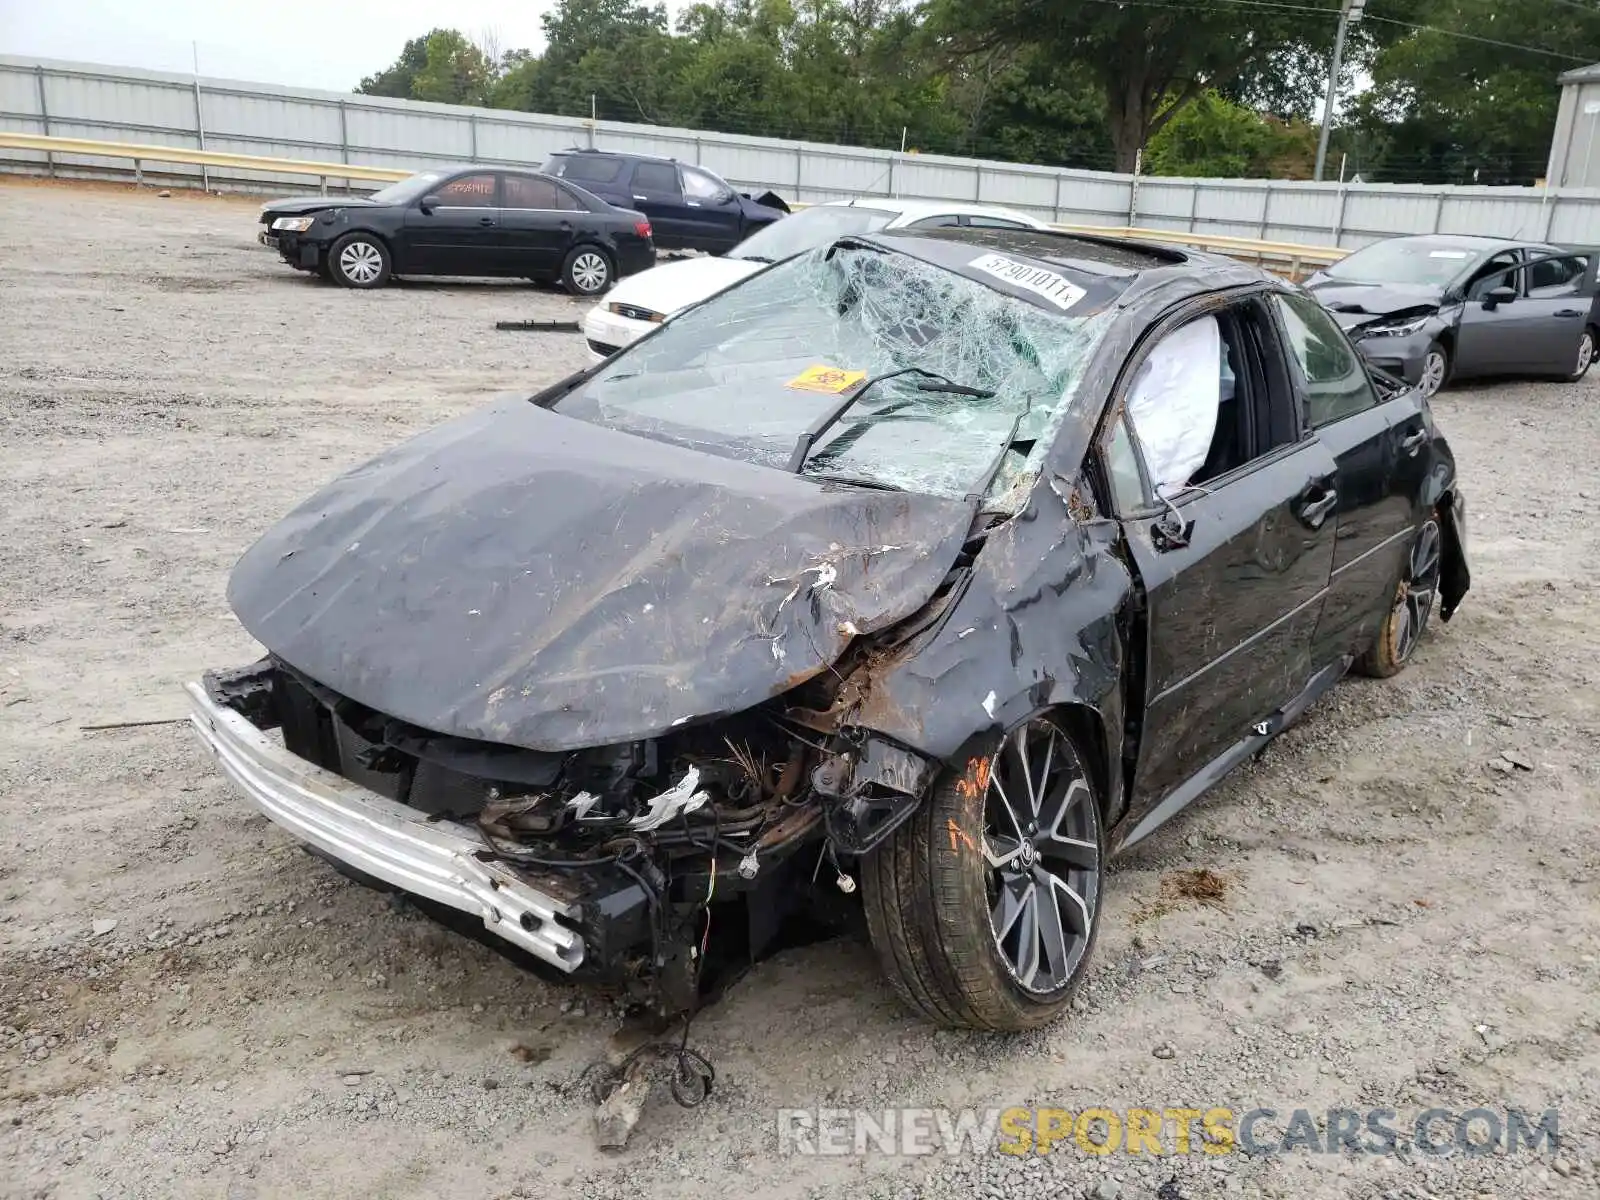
915	575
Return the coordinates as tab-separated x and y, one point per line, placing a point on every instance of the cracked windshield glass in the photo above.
750	372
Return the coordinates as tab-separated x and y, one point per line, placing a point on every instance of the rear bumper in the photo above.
437	859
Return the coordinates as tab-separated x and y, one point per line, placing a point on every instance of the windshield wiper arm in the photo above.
933	383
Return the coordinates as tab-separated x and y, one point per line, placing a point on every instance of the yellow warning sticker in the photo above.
832	380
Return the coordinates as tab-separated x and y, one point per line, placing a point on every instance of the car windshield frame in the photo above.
745	373
771	242
412	187
1453	261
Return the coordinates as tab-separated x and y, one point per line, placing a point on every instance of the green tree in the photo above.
1216	138
1449	109
443	66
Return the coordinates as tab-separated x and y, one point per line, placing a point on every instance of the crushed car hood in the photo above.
1354	304
676	285
298	206
523	577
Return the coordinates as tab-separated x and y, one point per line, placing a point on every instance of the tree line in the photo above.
1436	91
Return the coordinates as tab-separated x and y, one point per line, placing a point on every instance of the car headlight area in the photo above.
292	224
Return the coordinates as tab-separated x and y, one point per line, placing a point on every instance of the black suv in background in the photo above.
690	208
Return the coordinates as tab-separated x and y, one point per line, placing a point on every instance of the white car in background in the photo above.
641	302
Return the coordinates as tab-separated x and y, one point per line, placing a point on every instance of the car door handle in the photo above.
1569	312
1314	505
692	203
566	227
1412	442
485	220
636	196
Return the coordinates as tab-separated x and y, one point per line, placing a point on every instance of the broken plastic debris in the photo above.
988	704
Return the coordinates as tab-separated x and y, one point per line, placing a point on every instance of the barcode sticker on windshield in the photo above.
832	380
1057	289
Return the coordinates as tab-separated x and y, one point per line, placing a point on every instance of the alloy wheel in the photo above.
1414	605
589	272
1585	351
361	262
1433	369
1042	850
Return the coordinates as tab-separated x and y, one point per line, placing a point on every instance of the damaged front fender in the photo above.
1036	627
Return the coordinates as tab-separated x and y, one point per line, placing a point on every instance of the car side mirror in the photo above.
428	204
1498	296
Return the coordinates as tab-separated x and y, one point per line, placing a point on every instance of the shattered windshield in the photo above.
808	229
748	372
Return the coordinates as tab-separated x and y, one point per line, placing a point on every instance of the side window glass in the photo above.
585	168
521	191
1499	271
1553	277
697	185
981	222
1122	470
1336	382
949	221
661	178
470	191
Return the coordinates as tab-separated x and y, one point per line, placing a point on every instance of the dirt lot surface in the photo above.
191	1006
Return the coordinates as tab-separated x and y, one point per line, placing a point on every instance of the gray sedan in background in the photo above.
1437	307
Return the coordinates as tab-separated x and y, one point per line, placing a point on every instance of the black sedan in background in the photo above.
919	573
1439	307
473	221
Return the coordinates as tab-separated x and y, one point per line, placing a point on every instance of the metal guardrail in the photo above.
203	158
1290	257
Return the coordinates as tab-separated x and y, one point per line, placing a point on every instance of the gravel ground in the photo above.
190	1006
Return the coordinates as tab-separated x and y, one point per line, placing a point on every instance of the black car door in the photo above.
537	218
712	208
1233	562
1377	445
459	232
657	194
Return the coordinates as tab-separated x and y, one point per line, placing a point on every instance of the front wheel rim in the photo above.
1414	605
1432	373
361	262
589	272
1042	857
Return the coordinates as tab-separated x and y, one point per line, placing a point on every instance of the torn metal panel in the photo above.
1035	627
519	577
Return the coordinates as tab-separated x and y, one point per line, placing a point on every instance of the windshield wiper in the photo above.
760	258
860	481
933	382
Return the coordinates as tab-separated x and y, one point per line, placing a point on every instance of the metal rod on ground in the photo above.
199	118
1349	11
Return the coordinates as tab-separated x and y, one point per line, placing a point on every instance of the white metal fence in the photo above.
119	103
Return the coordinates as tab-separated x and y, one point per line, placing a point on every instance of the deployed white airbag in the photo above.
1174	403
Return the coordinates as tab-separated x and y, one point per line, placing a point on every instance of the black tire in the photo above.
935	891
1586	351
1414	599
587	271
359	260
1436	365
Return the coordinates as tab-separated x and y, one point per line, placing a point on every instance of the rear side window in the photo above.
699	185
585	168
1553	277
523	191
1336	383
470	191
982	222
655	177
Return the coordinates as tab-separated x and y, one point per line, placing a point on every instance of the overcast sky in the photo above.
307	43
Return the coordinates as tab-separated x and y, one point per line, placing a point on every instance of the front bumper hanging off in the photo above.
441	860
